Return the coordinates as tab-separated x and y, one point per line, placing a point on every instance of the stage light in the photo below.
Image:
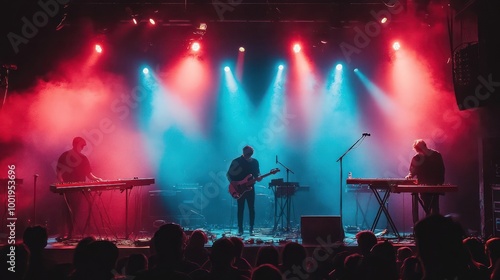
145	70
195	46
241	49
152	21
201	29
296	48
356	70
98	48
281	67
396	46
203	26
226	69
134	20
338	67
383	20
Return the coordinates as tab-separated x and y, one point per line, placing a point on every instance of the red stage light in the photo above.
98	48
134	21
396	46
296	48
383	20
195	46
152	21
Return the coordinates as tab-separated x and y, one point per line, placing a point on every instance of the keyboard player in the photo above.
428	167
73	166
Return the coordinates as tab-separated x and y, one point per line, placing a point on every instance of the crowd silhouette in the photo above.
442	251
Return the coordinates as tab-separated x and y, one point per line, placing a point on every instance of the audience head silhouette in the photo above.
237	246
493	250
102	257
169	241
136	263
35	238
198	238
267	255
439	247
266	272
366	240
293	255
222	254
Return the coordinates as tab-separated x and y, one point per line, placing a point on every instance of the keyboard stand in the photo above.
282	207
382	200
364	223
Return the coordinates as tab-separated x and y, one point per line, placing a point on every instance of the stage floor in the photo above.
62	252
262	236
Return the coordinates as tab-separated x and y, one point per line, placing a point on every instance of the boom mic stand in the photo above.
288	170
287	203
340	188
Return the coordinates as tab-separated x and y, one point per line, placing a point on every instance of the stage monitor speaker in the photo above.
321	229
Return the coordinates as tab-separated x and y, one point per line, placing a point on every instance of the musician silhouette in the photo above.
239	169
427	165
73	166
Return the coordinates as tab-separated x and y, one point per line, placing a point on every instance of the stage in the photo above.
62	252
324	92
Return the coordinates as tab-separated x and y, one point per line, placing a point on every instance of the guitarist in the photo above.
240	168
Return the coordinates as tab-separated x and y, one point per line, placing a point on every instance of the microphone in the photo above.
10	66
366	134
276	159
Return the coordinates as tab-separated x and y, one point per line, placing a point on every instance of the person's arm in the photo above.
413	169
258	171
59	176
231	171
59	168
88	170
441	169
92	177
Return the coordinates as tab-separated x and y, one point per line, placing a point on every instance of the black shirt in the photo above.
428	168
240	168
74	166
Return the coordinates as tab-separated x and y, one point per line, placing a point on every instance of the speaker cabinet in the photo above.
321	229
489	187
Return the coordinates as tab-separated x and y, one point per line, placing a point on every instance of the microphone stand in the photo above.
288	198
288	170
340	188
34	198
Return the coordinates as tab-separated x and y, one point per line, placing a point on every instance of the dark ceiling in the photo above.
62	21
216	10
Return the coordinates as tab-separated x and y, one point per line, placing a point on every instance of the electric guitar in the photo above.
238	188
